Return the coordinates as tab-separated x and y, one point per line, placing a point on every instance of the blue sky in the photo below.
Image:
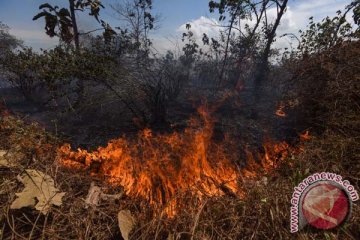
17	14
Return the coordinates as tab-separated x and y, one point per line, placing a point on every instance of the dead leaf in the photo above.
93	197
10	158
4	160
40	187
126	223
111	196
96	194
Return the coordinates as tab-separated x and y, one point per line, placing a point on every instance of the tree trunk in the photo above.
80	82
74	23
263	67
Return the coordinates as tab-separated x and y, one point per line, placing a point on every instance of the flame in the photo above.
305	136
280	111
158	167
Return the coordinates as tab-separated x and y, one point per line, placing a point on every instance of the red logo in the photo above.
325	206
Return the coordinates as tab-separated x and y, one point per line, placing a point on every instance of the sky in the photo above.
174	14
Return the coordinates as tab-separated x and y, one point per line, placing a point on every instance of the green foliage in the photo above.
54	19
241	9
251	42
7	41
93	6
190	49
330	31
355	5
18	68
57	69
325	34
62	22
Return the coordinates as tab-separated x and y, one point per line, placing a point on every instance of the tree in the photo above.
270	33
330	31
190	49
161	84
7	41
136	23
20	68
62	22
355	5
240	10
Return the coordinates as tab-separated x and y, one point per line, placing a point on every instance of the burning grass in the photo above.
262	214
160	167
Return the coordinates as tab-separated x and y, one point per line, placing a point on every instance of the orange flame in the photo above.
158	167
280	111
305	136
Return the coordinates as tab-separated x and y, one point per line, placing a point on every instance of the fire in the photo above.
158	167
305	136
280	111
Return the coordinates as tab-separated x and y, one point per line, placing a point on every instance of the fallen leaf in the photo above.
4	161
40	187
96	194
111	196
126	223
93	197
10	158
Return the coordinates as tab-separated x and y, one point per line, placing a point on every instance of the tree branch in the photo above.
98	29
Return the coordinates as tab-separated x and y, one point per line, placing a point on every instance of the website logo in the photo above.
322	200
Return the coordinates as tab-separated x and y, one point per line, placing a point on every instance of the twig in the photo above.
197	219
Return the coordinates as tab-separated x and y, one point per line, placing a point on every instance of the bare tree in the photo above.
136	22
